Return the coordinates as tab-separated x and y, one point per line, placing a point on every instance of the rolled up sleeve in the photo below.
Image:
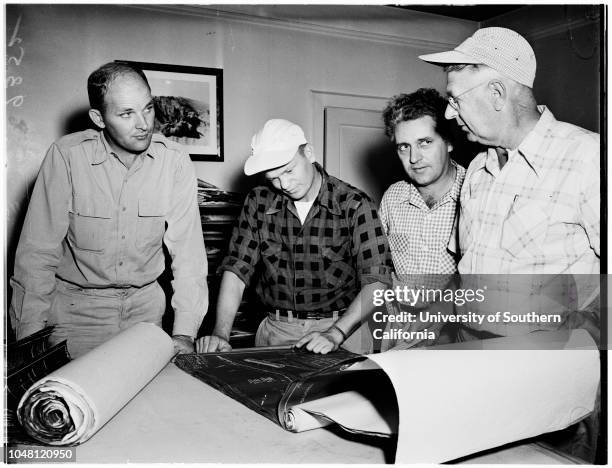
244	250
370	247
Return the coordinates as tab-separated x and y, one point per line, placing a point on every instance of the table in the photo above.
177	418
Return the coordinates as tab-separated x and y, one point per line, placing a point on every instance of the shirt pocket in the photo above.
89	228
337	265
271	253
524	229
151	225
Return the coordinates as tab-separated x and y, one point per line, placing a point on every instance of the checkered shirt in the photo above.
422	239
539	214
319	265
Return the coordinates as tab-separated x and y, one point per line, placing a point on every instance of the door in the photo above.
358	152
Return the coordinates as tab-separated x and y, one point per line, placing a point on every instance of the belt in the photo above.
285	315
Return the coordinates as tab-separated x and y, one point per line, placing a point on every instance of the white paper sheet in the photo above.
348	409
455	402
90	390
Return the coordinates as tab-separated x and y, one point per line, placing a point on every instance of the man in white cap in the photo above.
530	203
316	239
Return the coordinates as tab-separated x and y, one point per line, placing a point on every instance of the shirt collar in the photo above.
531	146
455	189
327	196
104	150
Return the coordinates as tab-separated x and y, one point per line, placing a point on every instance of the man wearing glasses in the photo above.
530	203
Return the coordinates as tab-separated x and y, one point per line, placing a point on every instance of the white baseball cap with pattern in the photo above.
502	49
274	146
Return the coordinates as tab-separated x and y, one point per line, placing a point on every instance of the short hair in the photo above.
100	80
422	102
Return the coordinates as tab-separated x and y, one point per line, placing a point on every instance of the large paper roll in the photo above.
70	405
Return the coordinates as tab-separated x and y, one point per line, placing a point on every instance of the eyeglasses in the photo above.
453	101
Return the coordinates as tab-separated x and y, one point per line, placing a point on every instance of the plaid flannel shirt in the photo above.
540	213
316	266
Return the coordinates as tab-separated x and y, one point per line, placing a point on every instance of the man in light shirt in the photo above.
419	213
104	203
530	204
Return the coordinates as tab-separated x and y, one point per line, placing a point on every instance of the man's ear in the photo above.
309	153
500	94
96	117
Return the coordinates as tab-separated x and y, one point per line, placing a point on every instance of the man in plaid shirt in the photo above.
419	214
316	240
530	204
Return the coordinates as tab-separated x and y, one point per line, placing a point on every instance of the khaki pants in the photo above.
281	332
87	318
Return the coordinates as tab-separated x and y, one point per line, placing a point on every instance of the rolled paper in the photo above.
71	404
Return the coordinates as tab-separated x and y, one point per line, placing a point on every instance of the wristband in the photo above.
344	335
183	336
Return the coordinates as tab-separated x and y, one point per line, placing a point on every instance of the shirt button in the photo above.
123	209
120	263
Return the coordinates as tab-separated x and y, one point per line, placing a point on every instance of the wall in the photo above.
566	41
272	57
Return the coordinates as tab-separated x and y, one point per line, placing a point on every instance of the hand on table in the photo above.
321	342
212	344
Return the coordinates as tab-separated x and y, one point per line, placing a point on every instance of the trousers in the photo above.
87	317
279	332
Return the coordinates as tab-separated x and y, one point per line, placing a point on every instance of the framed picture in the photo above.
188	106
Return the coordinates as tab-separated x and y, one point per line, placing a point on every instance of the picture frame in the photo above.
188	106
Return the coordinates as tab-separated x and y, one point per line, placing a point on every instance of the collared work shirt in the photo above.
422	239
319	265
97	224
540	213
